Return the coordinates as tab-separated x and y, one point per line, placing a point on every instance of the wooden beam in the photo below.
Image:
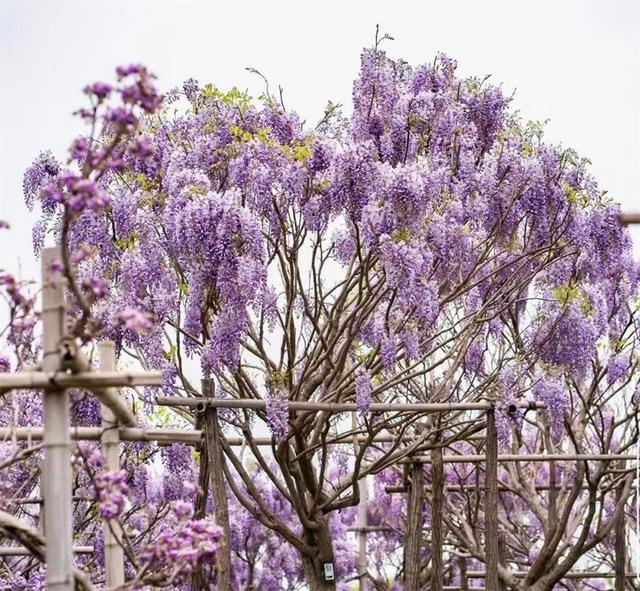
468	488
164	435
629	218
18	551
481	574
463	459
295	405
50	378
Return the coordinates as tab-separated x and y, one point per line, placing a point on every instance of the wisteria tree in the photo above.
428	248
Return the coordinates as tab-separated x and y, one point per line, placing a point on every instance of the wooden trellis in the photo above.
54	378
491	459
118	424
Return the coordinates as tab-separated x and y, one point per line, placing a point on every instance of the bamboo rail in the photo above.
481	574
629	218
294	405
52	380
472	487
165	435
462	459
17	551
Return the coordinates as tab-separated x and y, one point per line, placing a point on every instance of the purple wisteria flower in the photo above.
363	393
278	417
555	395
617	368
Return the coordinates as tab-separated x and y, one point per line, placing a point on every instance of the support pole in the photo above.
437	508
57	443
413	530
211	429
200	507
491	504
620	540
464	582
110	438
502	557
362	534
361	523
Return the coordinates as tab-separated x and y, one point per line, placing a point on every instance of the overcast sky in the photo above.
575	63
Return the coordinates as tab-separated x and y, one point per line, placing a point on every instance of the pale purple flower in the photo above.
617	368
136	320
363	393
278	417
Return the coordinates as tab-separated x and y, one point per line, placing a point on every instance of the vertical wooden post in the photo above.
491	504
361	517
211	430
57	443
464	583
502	557
620	541
200	507
553	495
413	530
437	507
110	439
362	534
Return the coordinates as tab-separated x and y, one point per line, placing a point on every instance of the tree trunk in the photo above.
323	562
413	530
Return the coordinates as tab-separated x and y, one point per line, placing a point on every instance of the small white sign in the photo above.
328	571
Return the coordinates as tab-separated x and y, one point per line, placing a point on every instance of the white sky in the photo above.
573	62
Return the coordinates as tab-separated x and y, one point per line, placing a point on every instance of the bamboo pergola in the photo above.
55	378
119	425
491	460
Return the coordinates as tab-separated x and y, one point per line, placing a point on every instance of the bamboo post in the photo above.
437	507
361	522
57	443
464	583
491	504
200	506
502	557
211	430
362	534
413	529
110	439
620	540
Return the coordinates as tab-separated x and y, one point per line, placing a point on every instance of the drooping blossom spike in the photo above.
617	368
363	393
278	417
136	320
